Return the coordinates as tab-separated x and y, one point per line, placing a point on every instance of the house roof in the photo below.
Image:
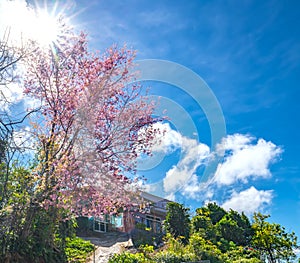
153	198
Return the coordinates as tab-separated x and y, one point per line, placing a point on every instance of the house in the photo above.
151	213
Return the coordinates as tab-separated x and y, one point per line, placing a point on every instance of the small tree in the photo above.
235	227
205	220
177	221
272	240
215	212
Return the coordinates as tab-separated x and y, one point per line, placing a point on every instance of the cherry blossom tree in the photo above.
85	122
87	131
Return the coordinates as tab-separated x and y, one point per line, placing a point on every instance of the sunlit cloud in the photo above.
245	159
249	201
193	154
168	140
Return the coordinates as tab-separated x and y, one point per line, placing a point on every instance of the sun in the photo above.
46	28
24	22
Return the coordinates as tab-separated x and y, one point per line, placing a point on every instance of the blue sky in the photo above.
248	53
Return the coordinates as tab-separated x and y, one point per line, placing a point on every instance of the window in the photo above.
154	223
100	226
117	220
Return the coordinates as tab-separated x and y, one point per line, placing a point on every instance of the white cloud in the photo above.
168	141
165	142
196	190
249	201
171	197
10	94
12	17
245	159
234	142
193	154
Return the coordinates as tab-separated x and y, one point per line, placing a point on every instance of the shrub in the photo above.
174	251
144	237
129	258
173	257
204	249
140	226
77	250
168	257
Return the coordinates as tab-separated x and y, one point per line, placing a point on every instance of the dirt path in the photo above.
107	245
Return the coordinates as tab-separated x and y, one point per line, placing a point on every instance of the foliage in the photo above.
204	249
87	131
220	242
235	227
77	250
205	220
241	254
171	257
84	226
216	212
174	251
146	249
90	127
177	221
126	257
203	225
140	226
272	240
142	237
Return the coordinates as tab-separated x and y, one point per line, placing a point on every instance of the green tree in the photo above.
204	249
235	227
202	224
216	212
272	240
213	211
240	254
177	221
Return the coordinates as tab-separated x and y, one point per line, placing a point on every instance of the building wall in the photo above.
152	216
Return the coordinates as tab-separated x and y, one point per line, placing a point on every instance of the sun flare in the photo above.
24	22
46	29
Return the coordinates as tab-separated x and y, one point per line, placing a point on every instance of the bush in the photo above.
140	226
174	251
243	255
77	250
129	258
173	257
247	260
204	249
143	237
168	257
